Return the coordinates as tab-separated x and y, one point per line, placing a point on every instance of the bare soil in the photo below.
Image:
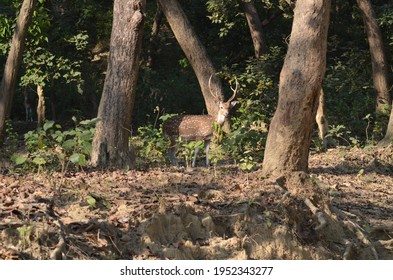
204	213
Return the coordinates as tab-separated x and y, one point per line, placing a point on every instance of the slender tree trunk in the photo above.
323	125
378	57
255	25
289	137
195	53
388	139
8	82
40	106
110	144
27	102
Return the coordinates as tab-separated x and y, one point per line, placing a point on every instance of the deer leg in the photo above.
207	147
195	155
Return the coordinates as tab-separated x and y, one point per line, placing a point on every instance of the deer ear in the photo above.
233	103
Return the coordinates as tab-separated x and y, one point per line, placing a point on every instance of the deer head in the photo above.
197	127
224	107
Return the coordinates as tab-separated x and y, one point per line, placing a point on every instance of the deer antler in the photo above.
234	91
211	92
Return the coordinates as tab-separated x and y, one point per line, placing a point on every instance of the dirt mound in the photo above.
188	236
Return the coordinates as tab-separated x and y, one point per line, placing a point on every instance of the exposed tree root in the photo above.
58	252
357	229
318	213
348	249
300	187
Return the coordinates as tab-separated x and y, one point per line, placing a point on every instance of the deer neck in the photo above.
220	119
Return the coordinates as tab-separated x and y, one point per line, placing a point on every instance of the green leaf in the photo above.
78	159
90	122
48	125
39	160
87	148
74	158
69	144
18	159
91	201
86	135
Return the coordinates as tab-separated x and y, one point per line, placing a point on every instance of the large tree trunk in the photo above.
255	26
8	82
195	53
378	58
289	138
110	144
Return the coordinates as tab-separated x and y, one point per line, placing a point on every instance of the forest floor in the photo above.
204	213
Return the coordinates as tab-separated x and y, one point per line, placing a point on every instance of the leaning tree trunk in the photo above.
195	53
378	57
289	137
110	144
8	82
255	26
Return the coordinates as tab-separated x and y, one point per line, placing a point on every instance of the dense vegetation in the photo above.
66	54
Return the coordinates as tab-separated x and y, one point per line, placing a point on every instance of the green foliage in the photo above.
42	66
243	143
10	142
187	150
150	146
52	147
342	136
247	162
80	40
348	91
6	26
224	13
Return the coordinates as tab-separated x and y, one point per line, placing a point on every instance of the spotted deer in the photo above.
197	127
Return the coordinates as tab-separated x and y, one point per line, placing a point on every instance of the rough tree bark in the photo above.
110	144
289	137
195	53
14	59
378	57
255	26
